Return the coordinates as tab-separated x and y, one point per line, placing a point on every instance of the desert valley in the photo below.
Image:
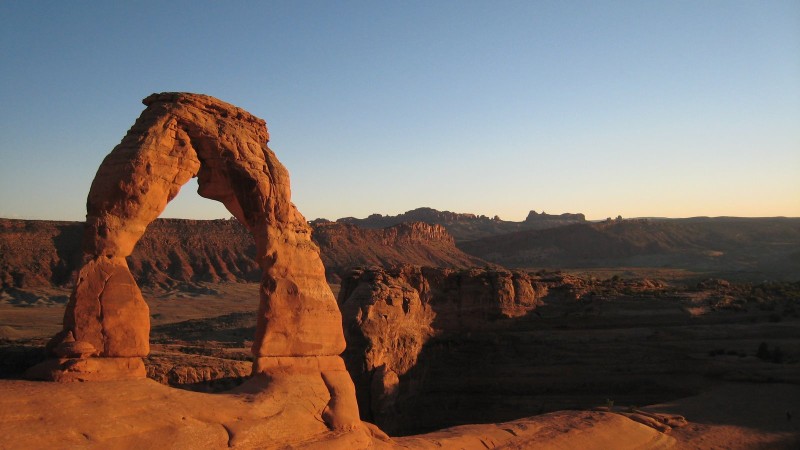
429	329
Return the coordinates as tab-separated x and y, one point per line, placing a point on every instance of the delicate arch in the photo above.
299	327
177	137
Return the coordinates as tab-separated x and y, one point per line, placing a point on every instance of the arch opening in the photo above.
180	136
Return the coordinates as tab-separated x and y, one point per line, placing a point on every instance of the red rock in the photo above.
88	369
298	330
390	314
76	349
107	310
177	137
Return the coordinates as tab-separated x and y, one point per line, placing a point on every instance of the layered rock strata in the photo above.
344	246
177	137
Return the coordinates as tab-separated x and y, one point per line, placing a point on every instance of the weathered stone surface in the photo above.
75	349
67	370
107	310
390	314
344	246
298	330
177	137
197	373
266	415
340	412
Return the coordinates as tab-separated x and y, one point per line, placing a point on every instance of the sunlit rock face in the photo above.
180	136
177	137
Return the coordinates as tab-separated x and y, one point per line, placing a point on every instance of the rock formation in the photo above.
38	253
755	248
177	253
390	314
462	226
344	246
177	137
533	216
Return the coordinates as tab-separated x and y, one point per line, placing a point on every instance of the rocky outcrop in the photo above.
533	216
450	347
390	314
344	246
462	226
177	137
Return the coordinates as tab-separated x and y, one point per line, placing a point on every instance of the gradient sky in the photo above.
638	108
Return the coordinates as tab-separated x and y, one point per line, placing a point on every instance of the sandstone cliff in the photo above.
451	347
344	246
180	252
389	315
38	252
172	252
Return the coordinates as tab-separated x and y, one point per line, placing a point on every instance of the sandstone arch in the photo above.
177	137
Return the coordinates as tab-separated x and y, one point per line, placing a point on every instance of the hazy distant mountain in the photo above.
175	251
464	226
749	247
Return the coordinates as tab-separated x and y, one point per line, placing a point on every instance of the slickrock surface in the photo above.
145	414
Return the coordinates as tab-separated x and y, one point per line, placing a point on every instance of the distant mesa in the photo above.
533	216
427	215
465	226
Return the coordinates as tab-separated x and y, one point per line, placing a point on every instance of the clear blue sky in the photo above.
638	108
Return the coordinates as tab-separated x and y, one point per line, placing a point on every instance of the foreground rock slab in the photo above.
146	414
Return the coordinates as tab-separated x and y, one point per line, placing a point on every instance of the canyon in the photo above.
432	348
232	333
